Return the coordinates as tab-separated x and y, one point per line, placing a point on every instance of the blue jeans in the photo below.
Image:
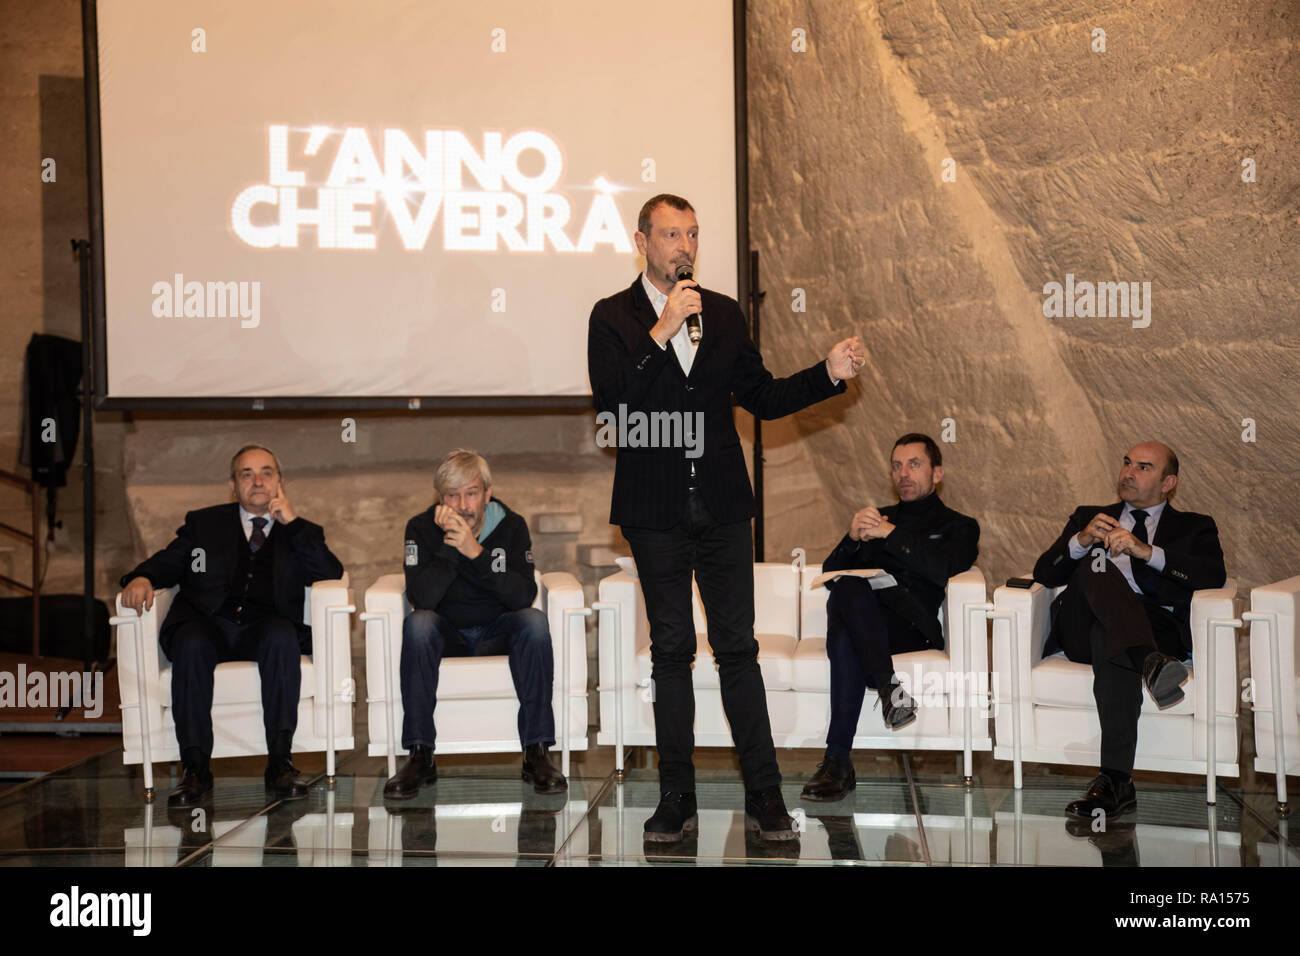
428	637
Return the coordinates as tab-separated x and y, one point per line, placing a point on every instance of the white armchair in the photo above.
950	686
1046	712
477	706
324	705
1274	655
790	627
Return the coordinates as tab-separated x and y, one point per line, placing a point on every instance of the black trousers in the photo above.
722	558
1099	619
199	645
861	636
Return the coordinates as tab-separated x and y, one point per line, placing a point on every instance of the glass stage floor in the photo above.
909	809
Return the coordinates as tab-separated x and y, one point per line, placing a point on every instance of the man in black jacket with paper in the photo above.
921	542
470	580
1131	568
243	569
685	505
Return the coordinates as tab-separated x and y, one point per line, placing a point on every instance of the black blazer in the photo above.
628	368
1193	560
301	558
929	544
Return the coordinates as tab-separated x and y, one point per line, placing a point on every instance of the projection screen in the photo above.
308	200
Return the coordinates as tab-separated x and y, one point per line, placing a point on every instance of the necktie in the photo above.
258	537
1140	525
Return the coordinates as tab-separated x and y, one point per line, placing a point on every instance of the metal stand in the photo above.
81	249
755	305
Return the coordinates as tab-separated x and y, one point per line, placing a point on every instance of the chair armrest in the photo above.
1207	605
387	596
563	592
1032	619
634	629
1279	604
965	589
139	658
333	628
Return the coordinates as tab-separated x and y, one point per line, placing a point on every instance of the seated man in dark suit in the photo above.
242	569
1131	568
922	543
470	580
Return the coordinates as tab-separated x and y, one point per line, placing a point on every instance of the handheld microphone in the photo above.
693	329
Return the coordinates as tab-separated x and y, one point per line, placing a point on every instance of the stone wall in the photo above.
1123	165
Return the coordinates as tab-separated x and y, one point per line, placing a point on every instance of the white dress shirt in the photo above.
681	341
1123	562
246	519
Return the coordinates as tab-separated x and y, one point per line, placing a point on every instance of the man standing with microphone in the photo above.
684	515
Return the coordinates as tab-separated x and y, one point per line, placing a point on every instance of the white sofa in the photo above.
477	709
1276	689
324	705
1053	696
790	627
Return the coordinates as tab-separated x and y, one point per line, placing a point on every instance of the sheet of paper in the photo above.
878	578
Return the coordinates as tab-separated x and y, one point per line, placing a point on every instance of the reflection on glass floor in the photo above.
484	815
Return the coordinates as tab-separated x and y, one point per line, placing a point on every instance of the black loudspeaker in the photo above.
62	630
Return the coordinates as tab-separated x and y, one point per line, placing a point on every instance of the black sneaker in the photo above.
765	812
675	815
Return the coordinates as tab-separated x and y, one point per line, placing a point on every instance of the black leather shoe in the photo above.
283	781
765	812
1117	844
675	815
540	772
1164	677
898	709
832	781
1112	799
420	768
195	785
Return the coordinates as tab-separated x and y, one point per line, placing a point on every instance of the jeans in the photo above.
428	637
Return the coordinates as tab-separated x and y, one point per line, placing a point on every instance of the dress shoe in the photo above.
832	781
1117	844
283	780
540	772
897	708
765	812
195	785
1164	676
841	835
1111	798
420	768
675	815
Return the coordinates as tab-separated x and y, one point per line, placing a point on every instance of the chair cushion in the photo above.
463	678
1060	682
238	682
812	669
775	661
